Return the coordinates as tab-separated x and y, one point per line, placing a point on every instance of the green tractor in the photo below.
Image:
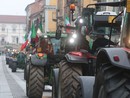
41	62
17	60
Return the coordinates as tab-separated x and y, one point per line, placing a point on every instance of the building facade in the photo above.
48	9
12	30
44	9
33	11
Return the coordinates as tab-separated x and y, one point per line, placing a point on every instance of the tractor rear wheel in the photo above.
68	79
14	67
35	82
112	82
26	70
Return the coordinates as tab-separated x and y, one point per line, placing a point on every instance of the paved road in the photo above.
12	85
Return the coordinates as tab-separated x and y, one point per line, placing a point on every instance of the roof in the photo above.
106	13
12	19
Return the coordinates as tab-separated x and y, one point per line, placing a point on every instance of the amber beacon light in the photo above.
72	7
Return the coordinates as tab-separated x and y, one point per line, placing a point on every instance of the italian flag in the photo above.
40	29
31	34
33	30
67	23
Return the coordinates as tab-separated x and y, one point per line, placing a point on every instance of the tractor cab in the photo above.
103	21
97	24
105	33
93	24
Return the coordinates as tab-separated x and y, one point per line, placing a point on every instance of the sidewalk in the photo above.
11	85
5	91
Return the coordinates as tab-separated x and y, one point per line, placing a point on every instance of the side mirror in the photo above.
58	34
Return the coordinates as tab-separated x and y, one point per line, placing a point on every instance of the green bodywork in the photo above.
21	60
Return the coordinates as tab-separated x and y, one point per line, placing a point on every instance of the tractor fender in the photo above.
76	59
108	54
38	61
87	83
56	82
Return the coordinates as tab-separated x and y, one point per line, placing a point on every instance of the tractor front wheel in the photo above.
112	82
35	84
68	79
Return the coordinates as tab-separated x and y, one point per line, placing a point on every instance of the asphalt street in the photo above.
13	85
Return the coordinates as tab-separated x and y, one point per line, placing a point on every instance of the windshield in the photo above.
106	32
58	44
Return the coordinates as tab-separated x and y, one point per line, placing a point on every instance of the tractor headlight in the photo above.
74	35
45	36
8	49
30	55
71	40
81	21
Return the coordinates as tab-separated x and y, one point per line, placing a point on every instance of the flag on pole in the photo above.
40	29
40	25
27	40
24	45
67	23
25	37
33	30
29	36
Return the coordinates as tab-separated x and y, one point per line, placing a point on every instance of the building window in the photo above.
14	29
15	39
2	41
3	28
24	27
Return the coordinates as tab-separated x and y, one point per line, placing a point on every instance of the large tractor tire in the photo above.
26	70
112	82
10	63
7	61
68	79
36	82
14	67
27	77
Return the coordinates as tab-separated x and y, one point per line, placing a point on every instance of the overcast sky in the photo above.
14	7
